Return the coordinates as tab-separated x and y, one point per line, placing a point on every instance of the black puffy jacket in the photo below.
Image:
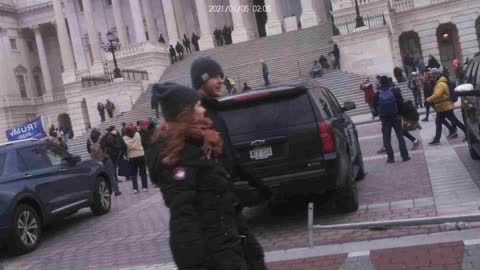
199	195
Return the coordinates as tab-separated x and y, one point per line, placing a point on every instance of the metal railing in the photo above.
133	75
371	20
458	221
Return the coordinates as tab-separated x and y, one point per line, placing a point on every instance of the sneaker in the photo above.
135	191
416	143
425	120
434	142
452	135
390	161
406	159
117	193
382	151
145	190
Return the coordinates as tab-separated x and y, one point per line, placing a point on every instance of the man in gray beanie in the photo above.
207	77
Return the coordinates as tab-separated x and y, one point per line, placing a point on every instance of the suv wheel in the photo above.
25	230
102	197
346	197
473	154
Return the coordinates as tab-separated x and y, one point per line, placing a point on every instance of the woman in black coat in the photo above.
204	223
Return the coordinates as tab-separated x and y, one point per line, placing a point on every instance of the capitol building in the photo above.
55	60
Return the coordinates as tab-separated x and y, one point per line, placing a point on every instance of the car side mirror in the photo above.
465	90
348	106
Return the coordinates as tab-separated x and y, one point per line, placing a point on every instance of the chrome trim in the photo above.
68	206
257	143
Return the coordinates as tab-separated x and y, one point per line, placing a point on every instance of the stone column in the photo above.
97	66
119	24
241	28
151	26
309	16
274	22
171	22
42	56
76	36
206	37
68	75
137	18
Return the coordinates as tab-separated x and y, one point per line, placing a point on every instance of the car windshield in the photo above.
269	114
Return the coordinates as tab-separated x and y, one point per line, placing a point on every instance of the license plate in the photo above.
261	153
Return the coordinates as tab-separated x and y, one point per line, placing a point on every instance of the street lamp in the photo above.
359	19
111	46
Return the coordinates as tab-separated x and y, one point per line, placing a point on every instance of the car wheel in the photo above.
473	154
25	230
346	197
102	197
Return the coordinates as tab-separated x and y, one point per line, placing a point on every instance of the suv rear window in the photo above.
270	114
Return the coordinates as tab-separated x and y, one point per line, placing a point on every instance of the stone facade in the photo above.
422	22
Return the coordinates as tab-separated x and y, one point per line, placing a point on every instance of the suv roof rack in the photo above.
19	141
282	90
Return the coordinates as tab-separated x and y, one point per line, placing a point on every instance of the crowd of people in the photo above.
178	50
385	101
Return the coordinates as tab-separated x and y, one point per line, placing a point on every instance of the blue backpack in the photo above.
387	103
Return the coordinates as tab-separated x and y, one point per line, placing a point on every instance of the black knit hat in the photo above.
204	68
173	98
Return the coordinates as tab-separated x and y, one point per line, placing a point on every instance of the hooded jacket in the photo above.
134	146
441	96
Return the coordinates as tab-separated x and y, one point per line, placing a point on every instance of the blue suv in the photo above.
40	182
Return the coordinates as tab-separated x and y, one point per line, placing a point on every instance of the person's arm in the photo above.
88	146
438	92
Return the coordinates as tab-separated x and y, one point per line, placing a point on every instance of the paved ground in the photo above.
438	180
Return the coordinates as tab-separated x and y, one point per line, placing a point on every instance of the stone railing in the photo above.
341	4
30	101
136	49
401	5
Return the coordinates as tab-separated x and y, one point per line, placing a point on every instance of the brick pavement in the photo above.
135	233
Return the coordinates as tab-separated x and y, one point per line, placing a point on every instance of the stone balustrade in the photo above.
137	49
341	4
18	101
402	5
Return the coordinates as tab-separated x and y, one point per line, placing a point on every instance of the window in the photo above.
38	85
13	44
33	158
269	114
54	158
21	167
108	2
21	86
55	154
80	4
332	102
30	46
3	159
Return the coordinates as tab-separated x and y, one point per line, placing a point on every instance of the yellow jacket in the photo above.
134	146
441	96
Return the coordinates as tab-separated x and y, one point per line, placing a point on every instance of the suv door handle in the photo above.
25	176
62	170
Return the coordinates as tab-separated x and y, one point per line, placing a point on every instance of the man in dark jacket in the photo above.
115	147
409	63
96	147
433	62
336	54
388	102
186	43
161	39
207	77
173	54
398	73
195	39
227	35
265	73
179	49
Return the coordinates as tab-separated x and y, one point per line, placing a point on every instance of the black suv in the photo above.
298	140
471	107
40	182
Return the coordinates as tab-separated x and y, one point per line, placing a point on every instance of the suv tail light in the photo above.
326	135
